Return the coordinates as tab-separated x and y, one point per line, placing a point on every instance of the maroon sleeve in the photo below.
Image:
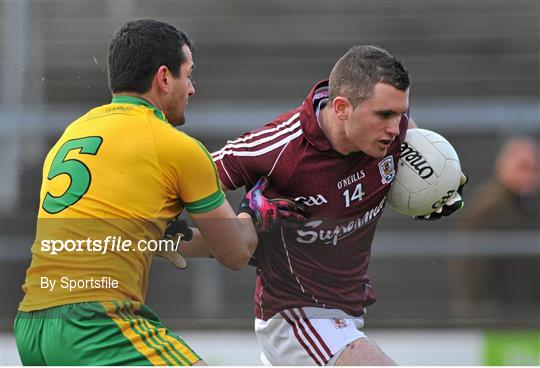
242	161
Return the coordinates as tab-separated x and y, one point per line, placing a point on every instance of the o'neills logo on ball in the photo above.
416	161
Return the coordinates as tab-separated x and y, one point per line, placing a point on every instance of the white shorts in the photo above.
306	336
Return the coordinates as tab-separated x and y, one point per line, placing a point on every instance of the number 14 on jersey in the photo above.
357	194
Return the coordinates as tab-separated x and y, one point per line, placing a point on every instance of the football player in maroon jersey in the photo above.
335	155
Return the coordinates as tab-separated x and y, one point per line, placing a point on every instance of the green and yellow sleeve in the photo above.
191	174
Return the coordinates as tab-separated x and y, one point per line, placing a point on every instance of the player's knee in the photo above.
363	352
199	362
354	349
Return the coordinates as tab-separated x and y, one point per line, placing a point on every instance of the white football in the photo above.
428	174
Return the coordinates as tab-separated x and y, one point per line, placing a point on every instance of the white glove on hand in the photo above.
453	204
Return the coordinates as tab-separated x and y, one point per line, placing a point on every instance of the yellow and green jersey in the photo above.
121	171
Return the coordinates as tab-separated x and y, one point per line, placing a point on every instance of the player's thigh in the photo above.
363	352
306	336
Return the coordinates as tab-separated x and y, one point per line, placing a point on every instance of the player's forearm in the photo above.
234	249
248	232
196	247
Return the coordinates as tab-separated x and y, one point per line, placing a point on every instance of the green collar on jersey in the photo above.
139	102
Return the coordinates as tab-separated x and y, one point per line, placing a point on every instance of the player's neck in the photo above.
148	97
332	128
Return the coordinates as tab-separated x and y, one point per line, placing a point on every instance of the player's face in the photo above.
374	124
181	89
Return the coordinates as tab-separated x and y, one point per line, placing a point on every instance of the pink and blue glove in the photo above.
268	212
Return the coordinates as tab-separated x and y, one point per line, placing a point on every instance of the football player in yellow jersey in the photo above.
111	184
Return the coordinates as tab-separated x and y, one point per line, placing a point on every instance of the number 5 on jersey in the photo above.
78	173
357	194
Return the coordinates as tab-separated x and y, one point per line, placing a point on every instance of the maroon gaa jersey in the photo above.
325	262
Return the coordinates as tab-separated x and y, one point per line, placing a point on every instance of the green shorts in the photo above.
98	333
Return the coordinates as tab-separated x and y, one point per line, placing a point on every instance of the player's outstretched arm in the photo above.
192	244
229	238
196	247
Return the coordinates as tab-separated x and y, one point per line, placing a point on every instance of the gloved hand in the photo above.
174	229
267	212
453	204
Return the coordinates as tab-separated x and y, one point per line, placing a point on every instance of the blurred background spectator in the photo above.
505	285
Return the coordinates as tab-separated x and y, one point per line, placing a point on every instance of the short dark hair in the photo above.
139	48
355	74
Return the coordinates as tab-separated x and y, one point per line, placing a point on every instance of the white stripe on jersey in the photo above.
269	130
277	159
233	144
226	172
262	140
293	273
222	153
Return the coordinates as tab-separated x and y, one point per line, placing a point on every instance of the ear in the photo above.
161	78
342	107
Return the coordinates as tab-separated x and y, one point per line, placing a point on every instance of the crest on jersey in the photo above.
339	322
386	168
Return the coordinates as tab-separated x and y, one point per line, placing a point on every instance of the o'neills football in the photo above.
428	174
